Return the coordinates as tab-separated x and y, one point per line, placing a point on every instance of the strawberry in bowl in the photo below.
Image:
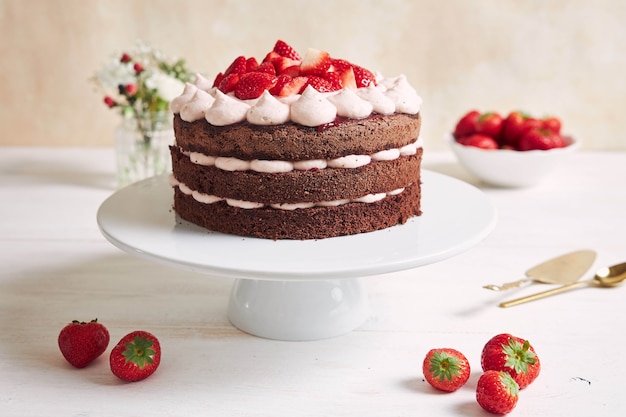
518	150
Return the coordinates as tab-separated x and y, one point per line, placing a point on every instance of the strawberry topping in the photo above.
284	72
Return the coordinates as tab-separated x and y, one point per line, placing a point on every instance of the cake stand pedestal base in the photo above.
298	310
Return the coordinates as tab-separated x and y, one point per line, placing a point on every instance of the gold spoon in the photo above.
605	277
563	269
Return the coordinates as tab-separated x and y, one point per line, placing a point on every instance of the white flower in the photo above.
168	88
114	73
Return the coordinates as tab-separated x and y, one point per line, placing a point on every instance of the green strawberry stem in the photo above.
444	366
139	352
519	355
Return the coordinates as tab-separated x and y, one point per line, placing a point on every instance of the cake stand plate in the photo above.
297	290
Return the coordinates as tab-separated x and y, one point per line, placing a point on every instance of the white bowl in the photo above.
509	168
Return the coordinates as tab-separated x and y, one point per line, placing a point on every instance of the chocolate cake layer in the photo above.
298	186
301	224
294	142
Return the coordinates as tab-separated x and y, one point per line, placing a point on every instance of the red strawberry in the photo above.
136	356
285	50
218	79
541	139
348	80
513	355
446	369
497	392
81	342
281	63
321	84
251	64
515	125
478	141
252	84
292	71
552	123
364	77
340	65
228	83
467	124
286	85
267	67
238	66
315	62
489	124
271	56
335	80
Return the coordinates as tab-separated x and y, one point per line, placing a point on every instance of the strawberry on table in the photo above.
497	392
81	342
513	355
446	369
136	356
467	124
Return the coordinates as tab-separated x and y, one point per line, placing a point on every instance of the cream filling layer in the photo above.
210	199
278	166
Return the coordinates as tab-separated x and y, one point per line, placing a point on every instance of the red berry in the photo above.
467	124
497	392
478	140
238	66
109	101
228	83
286	85
252	85
136	356
138	67
125	58
551	123
130	89
363	77
540	139
321	84
489	124
515	125
81	343
266	67
340	65
285	50
315	62
446	369
218	79
513	355
251	64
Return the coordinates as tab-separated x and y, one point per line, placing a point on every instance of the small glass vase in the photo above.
142	147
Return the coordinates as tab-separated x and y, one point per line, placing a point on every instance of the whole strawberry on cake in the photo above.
293	147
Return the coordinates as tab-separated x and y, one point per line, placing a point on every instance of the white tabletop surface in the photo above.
56	266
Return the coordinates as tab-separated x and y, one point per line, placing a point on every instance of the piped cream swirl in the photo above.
311	108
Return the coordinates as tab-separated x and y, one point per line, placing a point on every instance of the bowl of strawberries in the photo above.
518	150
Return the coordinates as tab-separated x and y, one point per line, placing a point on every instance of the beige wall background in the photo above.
558	57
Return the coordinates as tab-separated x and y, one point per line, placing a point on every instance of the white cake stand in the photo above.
297	290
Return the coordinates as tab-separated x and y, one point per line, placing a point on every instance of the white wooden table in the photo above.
55	266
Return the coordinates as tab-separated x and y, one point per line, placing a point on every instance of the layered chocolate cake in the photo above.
296	148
